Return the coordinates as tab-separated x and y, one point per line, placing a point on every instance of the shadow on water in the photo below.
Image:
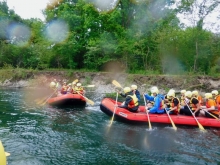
45	135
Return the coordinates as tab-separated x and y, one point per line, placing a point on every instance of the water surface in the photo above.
43	135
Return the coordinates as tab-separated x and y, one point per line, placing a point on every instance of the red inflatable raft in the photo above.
67	100
107	106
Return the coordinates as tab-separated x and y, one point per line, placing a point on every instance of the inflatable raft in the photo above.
107	106
67	100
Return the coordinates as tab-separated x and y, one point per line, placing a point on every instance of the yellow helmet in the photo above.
154	90
196	93
133	87
78	84
208	95
73	83
188	94
52	84
183	91
127	89
171	93
215	92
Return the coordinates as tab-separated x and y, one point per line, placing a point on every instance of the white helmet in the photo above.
183	91
127	89
171	93
133	87
154	90
215	92
78	84
52	84
208	95
188	94
196	93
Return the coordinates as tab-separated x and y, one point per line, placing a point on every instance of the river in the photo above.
43	135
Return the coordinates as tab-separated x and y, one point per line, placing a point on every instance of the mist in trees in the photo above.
136	36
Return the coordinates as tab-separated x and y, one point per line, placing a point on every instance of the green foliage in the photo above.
144	37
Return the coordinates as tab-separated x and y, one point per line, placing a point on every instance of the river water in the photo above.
43	135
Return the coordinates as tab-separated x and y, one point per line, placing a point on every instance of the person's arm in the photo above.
150	98
127	101
212	106
176	103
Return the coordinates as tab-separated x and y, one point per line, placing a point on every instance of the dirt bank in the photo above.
102	81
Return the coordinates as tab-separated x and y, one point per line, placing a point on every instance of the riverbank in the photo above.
102	80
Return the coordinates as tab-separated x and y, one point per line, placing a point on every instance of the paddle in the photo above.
211	114
150	128
48	98
87	100
114	82
114	109
89	86
174	126
200	126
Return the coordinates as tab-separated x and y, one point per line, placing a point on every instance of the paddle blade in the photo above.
7	154
90	101
114	82
90	86
201	127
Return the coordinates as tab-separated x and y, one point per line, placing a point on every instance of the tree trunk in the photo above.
196	57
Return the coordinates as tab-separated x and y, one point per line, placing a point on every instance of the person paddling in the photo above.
158	106
131	100
216	97
192	104
136	92
174	103
209	107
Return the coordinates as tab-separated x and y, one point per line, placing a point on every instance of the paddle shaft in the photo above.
116	102
174	126
89	101
49	97
148	118
200	126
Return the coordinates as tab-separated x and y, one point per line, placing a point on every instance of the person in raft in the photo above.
209	107
131	100
174	103
216	97
136	92
64	88
79	89
192	104
182	98
158	106
195	94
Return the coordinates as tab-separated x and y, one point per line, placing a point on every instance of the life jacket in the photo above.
191	105
182	100
64	89
178	106
200	99
134	101
79	89
216	112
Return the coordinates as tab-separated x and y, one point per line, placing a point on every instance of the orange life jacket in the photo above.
178	106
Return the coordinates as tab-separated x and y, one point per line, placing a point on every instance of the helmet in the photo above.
208	95
215	92
69	84
133	87
171	93
195	93
171	90
52	84
188	94
154	90
78	84
183	91
127	89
